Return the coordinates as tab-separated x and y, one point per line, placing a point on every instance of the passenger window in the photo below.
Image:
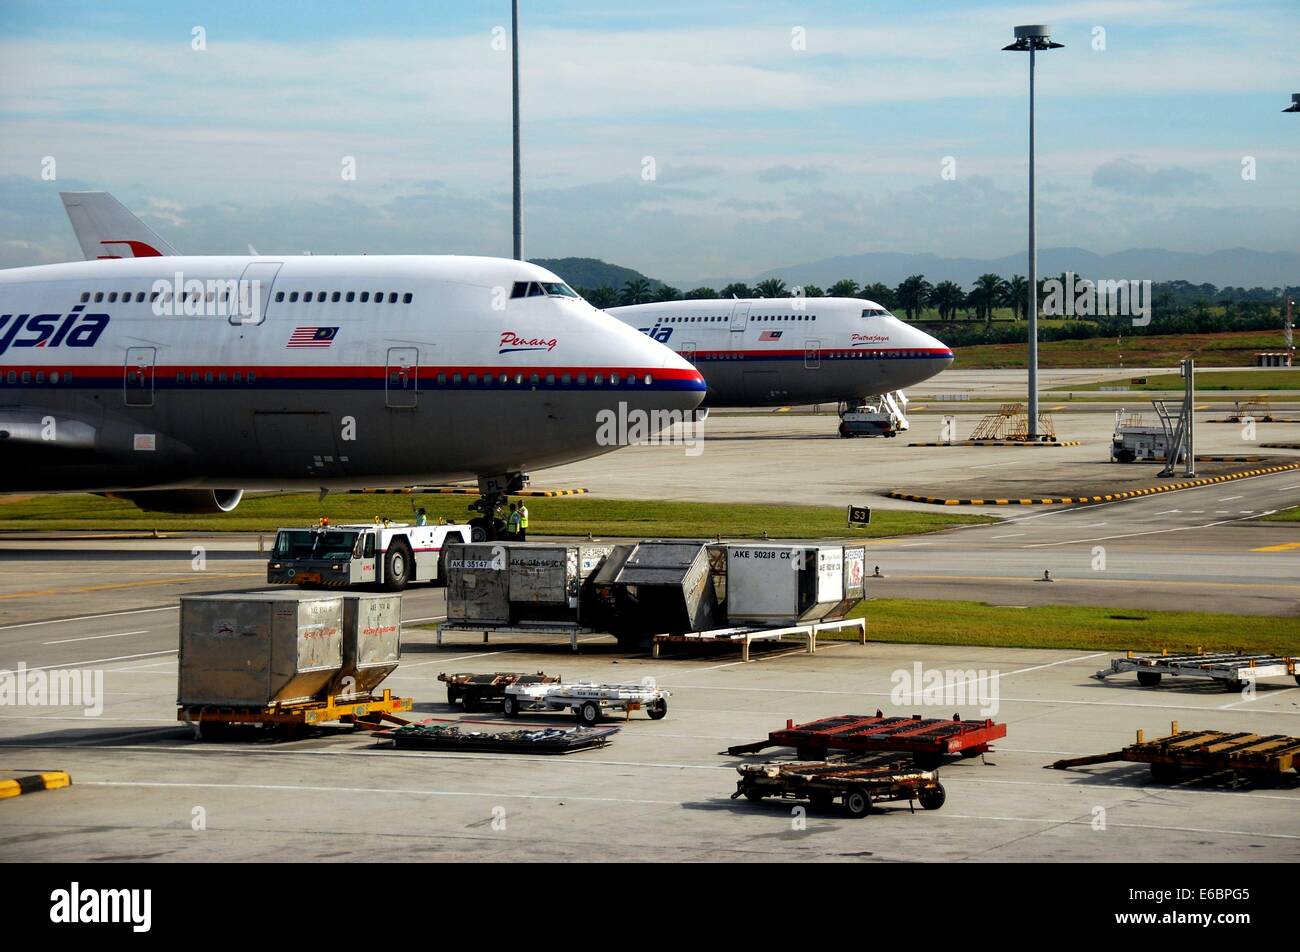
365	297
85	296
352	296
392	298
406	298
279	296
112	297
99	296
335	297
293	297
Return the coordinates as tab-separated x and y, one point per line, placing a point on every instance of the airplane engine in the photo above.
185	500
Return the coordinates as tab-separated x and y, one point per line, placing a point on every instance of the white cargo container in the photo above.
770	584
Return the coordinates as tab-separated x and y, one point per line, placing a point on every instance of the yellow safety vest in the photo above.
523	517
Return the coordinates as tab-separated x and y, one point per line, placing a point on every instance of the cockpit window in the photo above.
874	312
542	289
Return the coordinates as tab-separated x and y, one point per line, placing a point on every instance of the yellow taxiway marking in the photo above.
175	579
1283	547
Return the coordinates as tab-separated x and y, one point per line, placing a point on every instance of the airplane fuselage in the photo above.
351	371
780	351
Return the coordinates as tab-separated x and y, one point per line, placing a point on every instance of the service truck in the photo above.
390	555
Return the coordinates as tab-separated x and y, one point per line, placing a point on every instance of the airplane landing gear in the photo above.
491	524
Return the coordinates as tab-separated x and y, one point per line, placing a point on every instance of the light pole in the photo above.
1033	38
1288	328
519	182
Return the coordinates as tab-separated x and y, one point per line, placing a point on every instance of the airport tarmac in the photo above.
798	458
145	790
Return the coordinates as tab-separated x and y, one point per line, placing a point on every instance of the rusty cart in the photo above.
432	735
475	691
928	739
858	784
1259	756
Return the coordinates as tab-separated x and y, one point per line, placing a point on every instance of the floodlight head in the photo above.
1033	36
1295	103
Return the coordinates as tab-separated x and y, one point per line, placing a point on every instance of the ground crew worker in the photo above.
421	517
513	520
523	521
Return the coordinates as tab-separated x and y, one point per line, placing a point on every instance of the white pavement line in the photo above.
59	621
1130	535
1018	700
73	664
1007	535
397	791
1288	488
1253	700
1160	791
1079	821
1163	512
481	654
416	621
914	545
1229	498
120	634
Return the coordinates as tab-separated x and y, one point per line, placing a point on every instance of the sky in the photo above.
691	141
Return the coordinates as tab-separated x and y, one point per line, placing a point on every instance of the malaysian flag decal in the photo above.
312	336
770	335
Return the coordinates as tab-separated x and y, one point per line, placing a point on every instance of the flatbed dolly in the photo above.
1233	670
367	713
929	740
1262	756
474	691
858	784
428	735
744	636
566	632
587	699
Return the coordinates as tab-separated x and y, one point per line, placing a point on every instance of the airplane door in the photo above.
740	316
688	351
402	380
137	377
255	292
812	354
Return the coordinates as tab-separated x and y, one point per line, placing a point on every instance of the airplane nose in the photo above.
677	384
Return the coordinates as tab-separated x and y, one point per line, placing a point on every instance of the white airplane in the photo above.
795	350
180	381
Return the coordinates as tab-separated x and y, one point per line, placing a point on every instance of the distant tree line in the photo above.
967	316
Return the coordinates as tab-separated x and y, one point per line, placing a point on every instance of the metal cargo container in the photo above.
783	584
658	587
260	648
546	579
372	643
478	583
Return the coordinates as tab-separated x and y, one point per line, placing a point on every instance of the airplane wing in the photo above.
105	229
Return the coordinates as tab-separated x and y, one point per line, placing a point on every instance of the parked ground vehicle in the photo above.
391	555
587	699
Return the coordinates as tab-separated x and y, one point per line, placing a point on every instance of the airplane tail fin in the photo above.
105	229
